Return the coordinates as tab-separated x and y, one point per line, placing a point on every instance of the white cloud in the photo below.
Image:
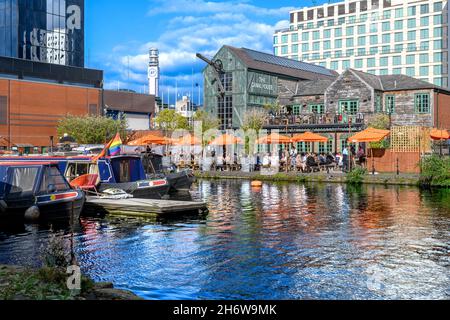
195	26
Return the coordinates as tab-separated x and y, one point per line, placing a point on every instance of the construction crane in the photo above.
218	72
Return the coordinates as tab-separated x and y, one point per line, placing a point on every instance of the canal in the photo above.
281	241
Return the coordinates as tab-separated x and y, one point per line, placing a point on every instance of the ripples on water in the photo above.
281	241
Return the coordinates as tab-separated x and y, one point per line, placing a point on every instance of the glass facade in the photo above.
50	31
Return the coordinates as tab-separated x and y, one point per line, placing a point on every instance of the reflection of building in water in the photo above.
45	31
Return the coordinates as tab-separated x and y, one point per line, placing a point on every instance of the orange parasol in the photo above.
309	137
150	139
437	134
226	140
188	141
370	135
274	138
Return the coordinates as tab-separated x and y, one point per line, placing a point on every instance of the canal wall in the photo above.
333	177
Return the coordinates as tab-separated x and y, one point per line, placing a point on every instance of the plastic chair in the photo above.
86	182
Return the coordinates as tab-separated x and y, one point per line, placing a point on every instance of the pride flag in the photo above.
112	148
115	147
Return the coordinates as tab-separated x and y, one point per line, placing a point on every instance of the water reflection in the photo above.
280	241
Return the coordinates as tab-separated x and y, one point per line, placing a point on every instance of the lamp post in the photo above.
349	148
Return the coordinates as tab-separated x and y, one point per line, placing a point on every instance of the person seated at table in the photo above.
275	161
361	155
330	159
219	163
322	159
311	162
299	162
293	162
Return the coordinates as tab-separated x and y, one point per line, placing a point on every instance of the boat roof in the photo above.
27	163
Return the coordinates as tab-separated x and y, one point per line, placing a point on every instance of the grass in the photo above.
356	176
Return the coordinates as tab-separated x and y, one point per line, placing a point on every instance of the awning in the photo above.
309	137
370	135
274	139
439	135
150	139
225	140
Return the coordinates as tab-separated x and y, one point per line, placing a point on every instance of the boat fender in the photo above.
32	214
3	206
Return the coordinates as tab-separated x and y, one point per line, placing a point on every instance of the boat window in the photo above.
53	181
22	179
125	171
75	170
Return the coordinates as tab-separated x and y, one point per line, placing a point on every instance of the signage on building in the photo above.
263	84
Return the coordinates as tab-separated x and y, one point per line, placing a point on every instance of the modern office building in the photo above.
43	31
381	37
240	79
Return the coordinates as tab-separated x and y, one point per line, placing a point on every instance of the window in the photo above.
438	81
359	63
284	49
361	52
225	112
397	71
327	34
411	35
387	14
378	104
386	38
275	51
295	48
410	59
412	23
398	48
346	64
437	19
437	7
21	180
390	104
317	108
410	71
284	39
437	70
294	37
384	62
275	40
327	45
437	44
338	53
305	47
423	58
386	26
350	42
422	103
398	37
350	107
373	40
424	34
305	36
316	35
411	47
424	71
296	109
399	13
3	110
305	57
334	65
424	21
437	57
362	29
424	9
371	63
361	41
53	181
227	80
338	43
350	31
373	27
350	52
316	46
338	32
398	25
385	49
373	50
437	32
397	60
412	11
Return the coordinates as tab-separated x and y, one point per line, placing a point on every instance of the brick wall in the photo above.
386	161
442	107
405	109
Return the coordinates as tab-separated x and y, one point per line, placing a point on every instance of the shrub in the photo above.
356	176
435	171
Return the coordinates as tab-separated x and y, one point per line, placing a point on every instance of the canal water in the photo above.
281	241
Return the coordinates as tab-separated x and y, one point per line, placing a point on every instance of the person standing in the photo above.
345	155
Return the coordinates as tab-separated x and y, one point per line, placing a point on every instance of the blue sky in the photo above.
119	34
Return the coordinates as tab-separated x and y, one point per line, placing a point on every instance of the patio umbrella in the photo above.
226	140
370	135
274	138
187	141
309	137
439	135
150	139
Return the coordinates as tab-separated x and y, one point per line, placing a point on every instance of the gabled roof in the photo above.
371	79
266	62
313	88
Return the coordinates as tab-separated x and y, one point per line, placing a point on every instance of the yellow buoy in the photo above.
257	184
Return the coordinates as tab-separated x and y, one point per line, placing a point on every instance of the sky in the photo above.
119	34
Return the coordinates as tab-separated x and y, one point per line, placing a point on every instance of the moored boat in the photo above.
37	191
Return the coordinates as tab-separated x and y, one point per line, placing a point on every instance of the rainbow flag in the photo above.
112	148
115	146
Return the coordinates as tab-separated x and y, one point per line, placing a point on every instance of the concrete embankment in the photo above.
332	177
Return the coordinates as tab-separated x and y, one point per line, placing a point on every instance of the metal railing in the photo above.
314	119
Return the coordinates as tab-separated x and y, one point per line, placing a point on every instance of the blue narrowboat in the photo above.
37	191
121	172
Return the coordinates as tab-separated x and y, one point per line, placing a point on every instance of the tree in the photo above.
255	119
274	109
92	129
380	121
170	120
208	121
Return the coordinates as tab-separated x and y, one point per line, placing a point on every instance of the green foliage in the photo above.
170	120
356	176
92	129
255	119
273	108
380	121
209	122
435	171
56	253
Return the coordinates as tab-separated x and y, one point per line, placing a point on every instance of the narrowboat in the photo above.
121	172
37	191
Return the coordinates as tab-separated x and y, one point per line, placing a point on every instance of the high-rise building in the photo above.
49	31
376	36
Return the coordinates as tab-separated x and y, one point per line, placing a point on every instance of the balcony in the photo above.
314	121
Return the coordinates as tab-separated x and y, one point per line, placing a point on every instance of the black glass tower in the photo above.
50	31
